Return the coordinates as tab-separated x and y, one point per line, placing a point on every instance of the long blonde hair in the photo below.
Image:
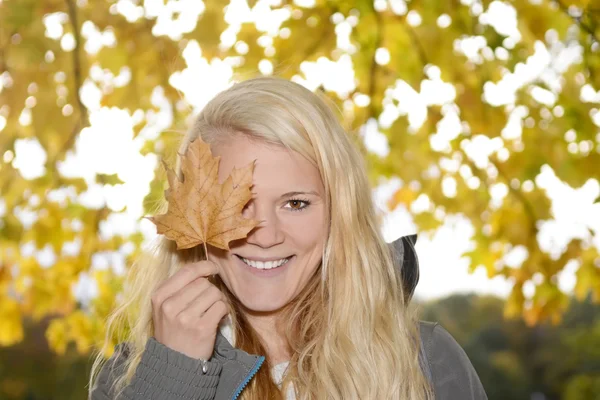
351	334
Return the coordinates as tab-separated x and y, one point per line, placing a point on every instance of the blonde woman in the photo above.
308	306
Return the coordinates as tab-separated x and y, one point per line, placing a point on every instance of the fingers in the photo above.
186	310
181	278
203	302
215	313
179	300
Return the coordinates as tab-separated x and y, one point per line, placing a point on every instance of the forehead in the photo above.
276	168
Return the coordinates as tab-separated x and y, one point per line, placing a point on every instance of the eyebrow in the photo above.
292	194
295	193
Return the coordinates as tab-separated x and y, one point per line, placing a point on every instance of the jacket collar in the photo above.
238	366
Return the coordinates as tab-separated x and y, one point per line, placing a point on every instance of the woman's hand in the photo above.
187	309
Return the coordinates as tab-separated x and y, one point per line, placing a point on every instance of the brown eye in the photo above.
297	204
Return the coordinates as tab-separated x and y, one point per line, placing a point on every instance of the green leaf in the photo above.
112	179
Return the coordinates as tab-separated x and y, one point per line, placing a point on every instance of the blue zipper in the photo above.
253	372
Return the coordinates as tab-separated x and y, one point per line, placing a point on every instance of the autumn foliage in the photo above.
433	78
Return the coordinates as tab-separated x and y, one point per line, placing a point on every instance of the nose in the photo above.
267	233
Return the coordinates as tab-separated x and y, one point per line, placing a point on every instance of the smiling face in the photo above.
288	197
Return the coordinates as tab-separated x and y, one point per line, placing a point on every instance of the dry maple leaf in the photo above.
202	211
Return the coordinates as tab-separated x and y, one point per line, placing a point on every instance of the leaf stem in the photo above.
205	234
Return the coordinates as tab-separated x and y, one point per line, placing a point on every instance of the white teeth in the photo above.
265	265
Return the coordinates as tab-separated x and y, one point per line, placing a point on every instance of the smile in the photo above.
264	265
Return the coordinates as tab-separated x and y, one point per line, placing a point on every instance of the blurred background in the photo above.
479	121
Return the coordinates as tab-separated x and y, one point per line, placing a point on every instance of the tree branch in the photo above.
420	49
527	206
77	78
4	43
373	67
579	21
3	57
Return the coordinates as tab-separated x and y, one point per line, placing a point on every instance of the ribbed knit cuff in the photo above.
166	373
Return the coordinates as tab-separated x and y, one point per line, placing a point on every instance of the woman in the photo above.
309	305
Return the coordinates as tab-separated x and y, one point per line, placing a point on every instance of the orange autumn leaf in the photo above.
201	210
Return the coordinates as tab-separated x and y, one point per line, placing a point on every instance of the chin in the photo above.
261	291
261	302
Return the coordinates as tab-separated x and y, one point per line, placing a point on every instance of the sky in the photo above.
443	271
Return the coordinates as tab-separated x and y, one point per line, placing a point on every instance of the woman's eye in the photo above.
297	204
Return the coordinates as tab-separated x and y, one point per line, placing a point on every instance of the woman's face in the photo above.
268	268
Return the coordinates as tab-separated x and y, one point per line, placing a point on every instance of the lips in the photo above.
268	264
264	259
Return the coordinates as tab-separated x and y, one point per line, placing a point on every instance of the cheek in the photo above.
309	233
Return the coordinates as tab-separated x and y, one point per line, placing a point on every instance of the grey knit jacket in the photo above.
165	374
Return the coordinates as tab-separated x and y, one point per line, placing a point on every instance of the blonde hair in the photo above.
351	334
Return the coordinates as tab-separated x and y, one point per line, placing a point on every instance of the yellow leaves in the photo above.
57	337
588	275
200	209
5	273
545	300
76	327
79	327
45	297
311	36
88	329
514	303
108	286
48	228
548	304
405	196
44	290
427	221
308	34
11	329
486	257
105	179
576	3
512	222
209	28
114	58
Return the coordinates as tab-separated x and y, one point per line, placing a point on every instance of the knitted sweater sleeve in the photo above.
162	374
